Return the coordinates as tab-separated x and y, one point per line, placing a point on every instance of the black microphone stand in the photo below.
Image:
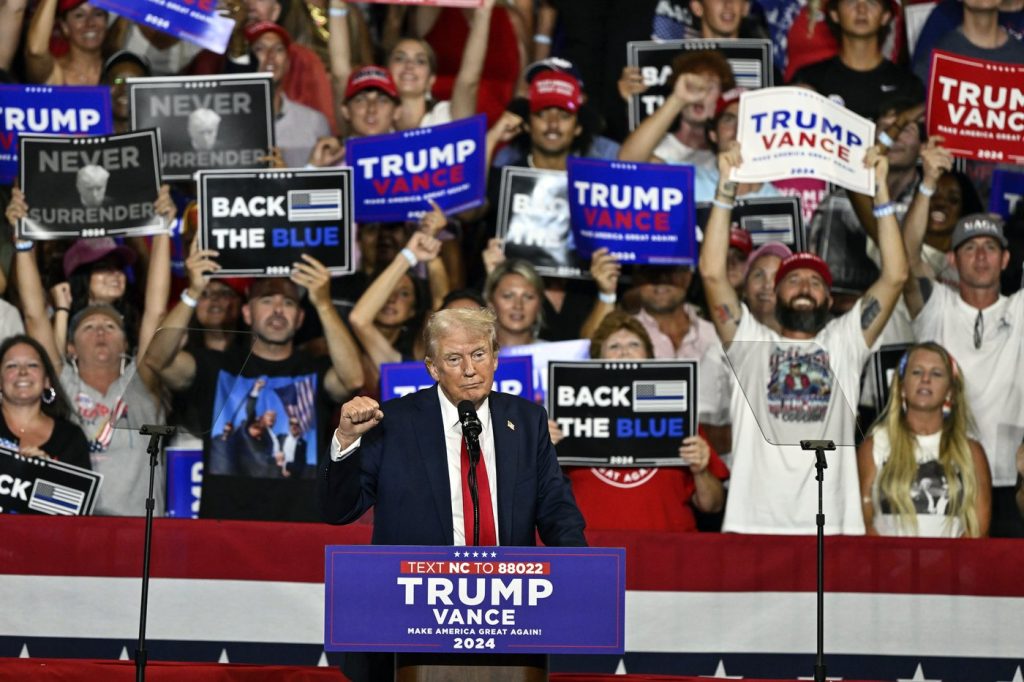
819	447
155	433
473	447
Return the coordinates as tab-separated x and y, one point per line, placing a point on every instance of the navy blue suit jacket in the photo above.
401	469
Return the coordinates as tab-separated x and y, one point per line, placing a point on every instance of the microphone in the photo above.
471	426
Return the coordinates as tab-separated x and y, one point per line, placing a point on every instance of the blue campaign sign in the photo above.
513	376
481	600
196	21
184	481
44	109
396	174
1007	190
643	213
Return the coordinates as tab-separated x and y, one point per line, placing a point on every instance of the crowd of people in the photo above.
94	329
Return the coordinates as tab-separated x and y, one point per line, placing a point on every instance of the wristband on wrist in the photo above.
61	309
541	39
610	299
24	245
727	190
883	210
187	299
925	190
722	204
338	11
410	256
883	138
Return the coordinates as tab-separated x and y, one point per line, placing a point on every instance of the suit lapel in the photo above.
428	434
506	457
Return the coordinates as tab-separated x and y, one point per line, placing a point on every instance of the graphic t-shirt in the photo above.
929	491
267	424
794	397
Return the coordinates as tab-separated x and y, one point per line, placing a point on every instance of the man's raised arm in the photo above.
723	302
879	300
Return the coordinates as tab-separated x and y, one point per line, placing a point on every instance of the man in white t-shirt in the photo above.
982	329
787	376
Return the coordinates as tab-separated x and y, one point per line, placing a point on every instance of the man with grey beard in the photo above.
798	383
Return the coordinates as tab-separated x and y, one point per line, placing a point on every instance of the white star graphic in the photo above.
476	554
494	555
721	674
1018	676
918	676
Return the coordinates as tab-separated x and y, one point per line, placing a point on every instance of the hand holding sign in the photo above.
17	207
199	264
313	275
164	206
358	416
605	269
729	158
631	83
935	160
696	453
876	159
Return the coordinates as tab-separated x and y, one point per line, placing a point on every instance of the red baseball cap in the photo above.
555	89
254	31
726	98
371	78
804	260
68	5
89	251
741	239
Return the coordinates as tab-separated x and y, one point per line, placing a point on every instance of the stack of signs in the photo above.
396	174
750	59
795	132
36	485
1007	190
643	213
43	109
533	221
206	122
513	376
767	219
196	21
977	106
623	413
90	186
261	222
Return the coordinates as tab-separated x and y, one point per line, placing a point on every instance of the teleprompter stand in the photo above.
819	447
469	668
155	433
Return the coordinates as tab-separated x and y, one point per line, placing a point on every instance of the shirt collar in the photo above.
450	414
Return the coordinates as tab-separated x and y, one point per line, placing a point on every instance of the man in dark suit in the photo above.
408	466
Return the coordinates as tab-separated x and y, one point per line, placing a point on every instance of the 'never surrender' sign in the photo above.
615	413
90	186
262	222
396	174
475	600
44	109
792	132
977	106
643	213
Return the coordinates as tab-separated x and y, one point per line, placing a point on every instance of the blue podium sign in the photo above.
549	600
513	376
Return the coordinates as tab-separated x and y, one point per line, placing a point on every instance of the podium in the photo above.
467	668
473	614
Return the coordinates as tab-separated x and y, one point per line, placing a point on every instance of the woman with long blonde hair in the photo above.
920	473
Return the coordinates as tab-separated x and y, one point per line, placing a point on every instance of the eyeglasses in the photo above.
979	330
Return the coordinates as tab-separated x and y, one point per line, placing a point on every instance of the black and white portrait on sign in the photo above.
90	186
206	122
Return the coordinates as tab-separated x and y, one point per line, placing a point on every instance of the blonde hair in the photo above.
476	321
900	469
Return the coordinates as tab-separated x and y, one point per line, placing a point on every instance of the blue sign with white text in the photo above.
396	174
45	109
1007	190
196	21
475	600
643	213
513	376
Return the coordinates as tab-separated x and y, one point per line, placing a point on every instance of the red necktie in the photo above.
488	537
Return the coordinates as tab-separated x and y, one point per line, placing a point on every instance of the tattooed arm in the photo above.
723	302
880	299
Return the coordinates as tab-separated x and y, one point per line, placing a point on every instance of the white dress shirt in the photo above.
453	444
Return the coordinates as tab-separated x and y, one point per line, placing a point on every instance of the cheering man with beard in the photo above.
773	487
